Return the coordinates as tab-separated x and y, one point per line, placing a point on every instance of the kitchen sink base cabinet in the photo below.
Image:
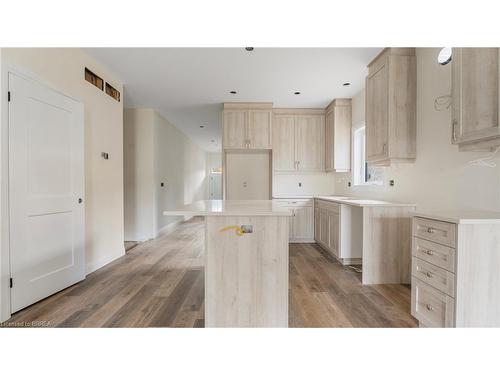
377	237
335	230
456	271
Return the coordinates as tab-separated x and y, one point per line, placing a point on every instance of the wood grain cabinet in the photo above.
302	220
298	141
333	231
338	125
475	98
455	271
247	126
391	107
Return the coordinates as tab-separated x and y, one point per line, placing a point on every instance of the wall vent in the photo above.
94	79
111	91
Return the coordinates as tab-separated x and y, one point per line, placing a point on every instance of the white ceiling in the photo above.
188	85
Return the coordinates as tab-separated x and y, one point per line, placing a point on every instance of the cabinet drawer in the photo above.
294	202
439	255
436	231
430	306
434	276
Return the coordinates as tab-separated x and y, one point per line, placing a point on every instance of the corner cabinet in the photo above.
391	92
338	136
475	98
298	141
247	126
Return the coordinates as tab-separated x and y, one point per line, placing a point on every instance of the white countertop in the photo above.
353	201
462	217
230	208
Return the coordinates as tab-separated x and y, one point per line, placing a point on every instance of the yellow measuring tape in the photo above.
236	228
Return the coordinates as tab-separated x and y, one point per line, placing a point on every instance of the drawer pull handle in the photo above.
430	252
428	274
429	307
430	230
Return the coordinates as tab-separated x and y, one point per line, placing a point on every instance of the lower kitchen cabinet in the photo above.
302	220
337	230
455	271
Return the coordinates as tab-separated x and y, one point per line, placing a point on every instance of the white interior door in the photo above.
215	186
46	187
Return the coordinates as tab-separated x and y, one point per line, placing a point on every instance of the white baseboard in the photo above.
94	266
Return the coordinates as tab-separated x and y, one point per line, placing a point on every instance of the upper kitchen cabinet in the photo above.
391	107
475	98
247	126
338	136
298	140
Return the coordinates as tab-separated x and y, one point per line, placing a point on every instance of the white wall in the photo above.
181	165
312	184
139	174
157	152
63	70
441	178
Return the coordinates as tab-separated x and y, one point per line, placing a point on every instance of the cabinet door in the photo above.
234	122
377	86
284	144
342	138
323	222
310	143
333	226
291	221
303	223
329	141
259	129
317	225
475	97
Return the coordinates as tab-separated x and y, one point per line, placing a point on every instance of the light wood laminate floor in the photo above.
159	283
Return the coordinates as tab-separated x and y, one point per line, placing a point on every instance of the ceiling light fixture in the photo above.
249	49
346	84
297	92
232	92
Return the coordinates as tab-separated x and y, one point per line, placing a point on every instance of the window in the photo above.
362	173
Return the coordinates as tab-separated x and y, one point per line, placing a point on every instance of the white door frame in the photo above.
5	69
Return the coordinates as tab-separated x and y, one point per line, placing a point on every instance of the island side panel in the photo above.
387	245
246	277
478	275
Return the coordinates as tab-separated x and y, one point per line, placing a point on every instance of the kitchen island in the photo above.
246	261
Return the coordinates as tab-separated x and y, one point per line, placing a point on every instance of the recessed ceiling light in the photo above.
346	84
249	49
297	92
232	92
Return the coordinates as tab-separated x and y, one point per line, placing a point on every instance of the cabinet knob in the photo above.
429	307
430	252
430	230
428	274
